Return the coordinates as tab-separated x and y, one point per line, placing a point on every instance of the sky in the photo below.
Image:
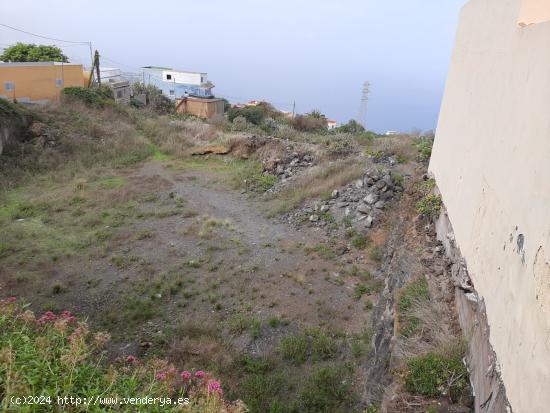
316	53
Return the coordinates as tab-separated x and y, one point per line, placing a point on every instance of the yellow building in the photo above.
39	82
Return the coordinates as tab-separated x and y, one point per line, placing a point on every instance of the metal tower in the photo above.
362	116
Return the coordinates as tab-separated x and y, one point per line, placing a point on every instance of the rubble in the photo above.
362	201
288	166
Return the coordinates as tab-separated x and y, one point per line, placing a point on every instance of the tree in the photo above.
154	98
27	52
351	127
316	114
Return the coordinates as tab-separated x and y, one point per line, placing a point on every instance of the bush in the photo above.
294	348
155	99
340	145
351	127
253	114
438	374
325	391
98	97
424	147
57	355
429	205
309	123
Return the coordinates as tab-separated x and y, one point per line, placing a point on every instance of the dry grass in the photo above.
82	137
432	333
319	181
399	146
200	344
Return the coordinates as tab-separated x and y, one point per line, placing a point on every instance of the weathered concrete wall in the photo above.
491	161
485	377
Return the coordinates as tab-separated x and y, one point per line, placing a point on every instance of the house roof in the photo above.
15	64
159	68
207	100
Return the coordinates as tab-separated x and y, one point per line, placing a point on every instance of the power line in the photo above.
39	35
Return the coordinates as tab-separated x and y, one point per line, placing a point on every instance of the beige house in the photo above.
491	162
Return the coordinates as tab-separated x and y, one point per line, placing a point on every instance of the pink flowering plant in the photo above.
55	354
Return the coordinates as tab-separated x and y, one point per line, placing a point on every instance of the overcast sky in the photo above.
317	53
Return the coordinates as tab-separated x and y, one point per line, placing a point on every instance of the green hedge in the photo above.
100	96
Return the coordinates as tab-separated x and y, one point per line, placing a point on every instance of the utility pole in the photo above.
293	109
362	117
96	65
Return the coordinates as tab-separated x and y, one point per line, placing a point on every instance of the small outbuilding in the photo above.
201	107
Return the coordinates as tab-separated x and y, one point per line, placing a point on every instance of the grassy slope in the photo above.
70	201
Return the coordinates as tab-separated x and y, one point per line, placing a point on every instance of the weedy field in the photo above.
246	264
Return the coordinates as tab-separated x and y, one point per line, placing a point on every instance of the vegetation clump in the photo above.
252	114
154	99
413	294
56	355
313	343
436	374
25	52
326	391
98	97
424	146
429	205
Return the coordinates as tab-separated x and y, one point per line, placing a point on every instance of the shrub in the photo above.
429	205
322	346
155	99
294	348
239	124
253	114
376	253
340	145
359	241
325	391
424	146
56	356
438	374
351	127
309	123
261	391
99	97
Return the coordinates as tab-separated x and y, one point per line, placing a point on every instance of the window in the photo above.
9	86
58	82
168	77
119	93
171	92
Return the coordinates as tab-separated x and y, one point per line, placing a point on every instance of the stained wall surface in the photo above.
491	161
40	81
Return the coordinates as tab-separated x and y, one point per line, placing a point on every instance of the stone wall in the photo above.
491	161
13	124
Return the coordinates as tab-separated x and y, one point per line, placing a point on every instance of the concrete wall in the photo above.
38	81
188	78
491	161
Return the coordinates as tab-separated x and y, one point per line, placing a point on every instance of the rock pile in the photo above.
362	201
289	165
